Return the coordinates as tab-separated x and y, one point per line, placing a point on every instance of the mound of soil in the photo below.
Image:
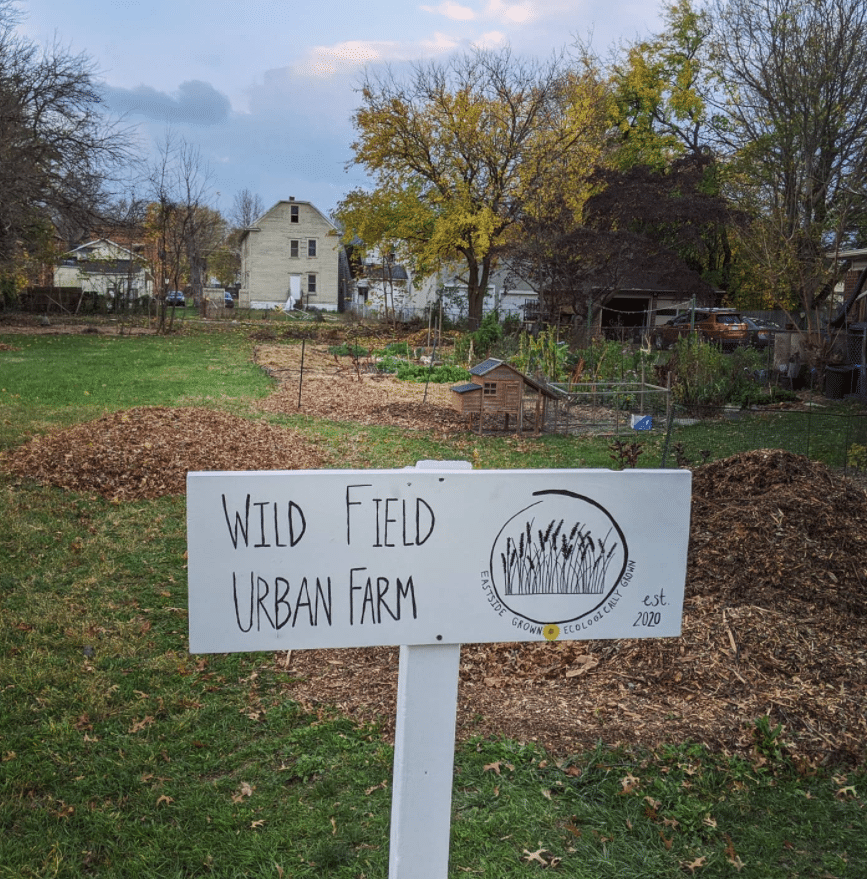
146	452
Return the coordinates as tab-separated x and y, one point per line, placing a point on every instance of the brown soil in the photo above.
774	619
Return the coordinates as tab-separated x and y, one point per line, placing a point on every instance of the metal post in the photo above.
301	373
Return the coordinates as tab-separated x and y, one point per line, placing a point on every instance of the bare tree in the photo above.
794	75
246	208
182	218
57	148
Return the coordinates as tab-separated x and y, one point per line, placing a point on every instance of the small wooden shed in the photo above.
498	388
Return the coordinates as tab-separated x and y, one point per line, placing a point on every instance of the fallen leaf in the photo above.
258	823
629	784
139	725
383	785
164	799
535	856
709	822
582	664
694	865
245	790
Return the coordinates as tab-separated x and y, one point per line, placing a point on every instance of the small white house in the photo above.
107	269
291	257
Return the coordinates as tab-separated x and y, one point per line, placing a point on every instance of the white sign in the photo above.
300	559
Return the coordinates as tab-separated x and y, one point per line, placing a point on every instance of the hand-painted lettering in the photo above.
289	521
272	605
414	516
371	598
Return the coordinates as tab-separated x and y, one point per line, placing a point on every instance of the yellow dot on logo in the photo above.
551	632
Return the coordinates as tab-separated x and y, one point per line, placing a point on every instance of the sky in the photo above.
266	90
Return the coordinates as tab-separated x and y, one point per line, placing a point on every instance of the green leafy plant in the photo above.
767	740
344	349
480	341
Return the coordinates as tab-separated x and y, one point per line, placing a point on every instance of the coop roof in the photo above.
485	366
463	389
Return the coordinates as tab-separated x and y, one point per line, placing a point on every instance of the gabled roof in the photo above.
486	366
289	201
83	250
463	389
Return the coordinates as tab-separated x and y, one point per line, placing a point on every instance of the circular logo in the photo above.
558	559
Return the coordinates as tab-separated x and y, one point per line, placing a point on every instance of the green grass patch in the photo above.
53	381
122	755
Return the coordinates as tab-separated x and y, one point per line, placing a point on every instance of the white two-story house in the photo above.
291	257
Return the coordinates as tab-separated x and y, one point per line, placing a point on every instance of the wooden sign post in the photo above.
430	558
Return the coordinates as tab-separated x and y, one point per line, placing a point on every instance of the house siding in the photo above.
267	266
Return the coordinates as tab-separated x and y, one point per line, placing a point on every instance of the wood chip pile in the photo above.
774	623
146	452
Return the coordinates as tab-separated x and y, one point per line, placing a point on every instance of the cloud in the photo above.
490	40
511	13
451	10
326	62
195	103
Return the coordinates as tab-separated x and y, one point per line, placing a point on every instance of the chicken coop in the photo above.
498	389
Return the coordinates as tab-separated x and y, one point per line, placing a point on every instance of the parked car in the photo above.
761	332
228	300
720	325
175	297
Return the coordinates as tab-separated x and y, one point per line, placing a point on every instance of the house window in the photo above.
293	247
489	389
293	213
311	247
311	285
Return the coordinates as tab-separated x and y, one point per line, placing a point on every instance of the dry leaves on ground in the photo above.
147	452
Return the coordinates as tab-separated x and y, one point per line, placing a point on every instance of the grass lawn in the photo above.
121	755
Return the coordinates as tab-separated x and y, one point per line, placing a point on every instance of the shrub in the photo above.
482	340
346	350
704	377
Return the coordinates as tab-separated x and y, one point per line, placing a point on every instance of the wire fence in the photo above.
674	435
686	437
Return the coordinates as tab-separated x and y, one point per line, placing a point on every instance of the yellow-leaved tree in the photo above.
460	151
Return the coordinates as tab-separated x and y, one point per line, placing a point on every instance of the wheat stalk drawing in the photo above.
548	561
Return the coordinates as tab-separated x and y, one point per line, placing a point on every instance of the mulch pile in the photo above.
146	452
774	619
774	623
